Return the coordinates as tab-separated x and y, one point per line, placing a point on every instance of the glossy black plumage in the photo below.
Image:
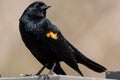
47	44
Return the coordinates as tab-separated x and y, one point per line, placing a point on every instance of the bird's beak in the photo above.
45	7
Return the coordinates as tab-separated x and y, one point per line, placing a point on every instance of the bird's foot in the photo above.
26	75
51	73
46	76
43	76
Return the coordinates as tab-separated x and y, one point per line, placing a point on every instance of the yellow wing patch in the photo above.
52	35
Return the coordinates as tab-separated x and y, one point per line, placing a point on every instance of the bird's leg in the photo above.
39	72
47	76
52	69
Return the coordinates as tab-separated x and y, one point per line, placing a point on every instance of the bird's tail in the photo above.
87	62
91	64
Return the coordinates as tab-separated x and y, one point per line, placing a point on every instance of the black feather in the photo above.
52	48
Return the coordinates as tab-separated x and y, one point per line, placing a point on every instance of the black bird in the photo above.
47	44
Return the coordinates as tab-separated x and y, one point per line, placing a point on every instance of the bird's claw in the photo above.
45	76
26	75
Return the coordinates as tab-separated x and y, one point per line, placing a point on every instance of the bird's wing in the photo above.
59	46
63	52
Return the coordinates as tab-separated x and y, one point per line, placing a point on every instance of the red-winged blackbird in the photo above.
47	44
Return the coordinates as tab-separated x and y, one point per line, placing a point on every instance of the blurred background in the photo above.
92	26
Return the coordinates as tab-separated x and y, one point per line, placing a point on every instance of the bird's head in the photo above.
37	9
